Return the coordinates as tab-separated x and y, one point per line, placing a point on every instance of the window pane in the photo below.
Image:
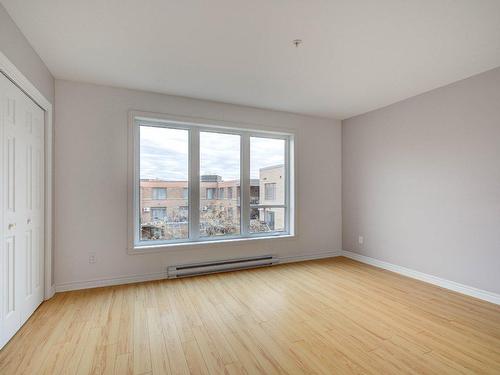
267	220
159	193
219	171
164	183
267	175
267	171
270	191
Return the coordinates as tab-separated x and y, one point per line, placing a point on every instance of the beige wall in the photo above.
91	182
421	182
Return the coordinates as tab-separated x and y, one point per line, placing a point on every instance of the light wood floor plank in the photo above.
334	316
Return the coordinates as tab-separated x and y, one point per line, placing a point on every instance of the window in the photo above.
210	193
211	182
163	167
270	191
219	164
159	193
158	213
268	171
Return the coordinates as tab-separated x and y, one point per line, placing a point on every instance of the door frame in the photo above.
18	78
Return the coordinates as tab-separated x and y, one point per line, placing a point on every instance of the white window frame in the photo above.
195	126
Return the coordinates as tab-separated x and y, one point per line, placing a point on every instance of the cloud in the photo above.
164	154
265	152
220	155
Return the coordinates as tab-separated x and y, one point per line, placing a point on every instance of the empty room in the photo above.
249	187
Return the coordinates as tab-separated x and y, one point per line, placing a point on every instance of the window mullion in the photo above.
245	185
287	185
194	184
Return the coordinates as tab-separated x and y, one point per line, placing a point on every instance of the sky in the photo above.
164	154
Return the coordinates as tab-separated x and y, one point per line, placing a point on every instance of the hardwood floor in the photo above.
334	316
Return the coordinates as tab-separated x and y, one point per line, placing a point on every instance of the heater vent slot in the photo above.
184	270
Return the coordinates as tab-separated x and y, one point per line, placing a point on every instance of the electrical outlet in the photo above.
92	258
361	240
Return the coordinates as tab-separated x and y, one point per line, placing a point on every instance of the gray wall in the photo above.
421	182
14	45
18	50
91	182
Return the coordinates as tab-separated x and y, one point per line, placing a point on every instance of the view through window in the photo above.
165	188
267	171
163	168
219	171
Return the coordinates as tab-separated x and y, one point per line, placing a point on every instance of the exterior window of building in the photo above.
210	193
158	213
239	182
159	193
270	191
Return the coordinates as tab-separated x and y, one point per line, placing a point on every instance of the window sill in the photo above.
145	249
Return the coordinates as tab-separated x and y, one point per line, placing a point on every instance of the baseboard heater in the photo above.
193	269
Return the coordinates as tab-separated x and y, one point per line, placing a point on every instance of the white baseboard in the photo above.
311	256
443	283
96	283
51	290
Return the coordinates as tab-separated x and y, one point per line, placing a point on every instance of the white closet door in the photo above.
33	167
21	190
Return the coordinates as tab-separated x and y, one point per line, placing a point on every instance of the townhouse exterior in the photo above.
164	205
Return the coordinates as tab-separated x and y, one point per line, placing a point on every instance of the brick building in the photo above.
164	205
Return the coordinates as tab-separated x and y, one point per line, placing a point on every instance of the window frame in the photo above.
194	126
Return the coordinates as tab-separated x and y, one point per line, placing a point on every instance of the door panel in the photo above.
10	182
28	242
10	288
21	208
11	312
33	215
29	176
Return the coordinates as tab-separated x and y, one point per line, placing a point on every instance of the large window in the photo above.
197	183
164	154
268	169
219	167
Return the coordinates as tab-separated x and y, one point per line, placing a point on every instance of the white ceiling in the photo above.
357	55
